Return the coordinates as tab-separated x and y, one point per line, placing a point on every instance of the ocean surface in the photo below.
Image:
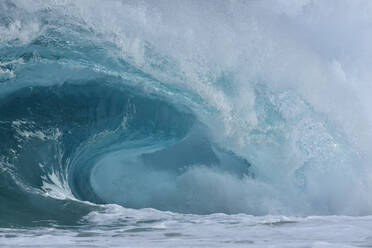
185	123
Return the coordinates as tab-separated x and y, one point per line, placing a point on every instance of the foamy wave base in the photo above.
120	227
255	108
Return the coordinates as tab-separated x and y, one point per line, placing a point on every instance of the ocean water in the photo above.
185	123
120	227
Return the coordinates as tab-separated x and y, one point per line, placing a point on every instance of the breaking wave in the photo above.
233	110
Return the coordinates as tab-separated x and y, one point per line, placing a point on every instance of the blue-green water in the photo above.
191	123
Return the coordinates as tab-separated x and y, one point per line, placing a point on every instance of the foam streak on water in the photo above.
120	227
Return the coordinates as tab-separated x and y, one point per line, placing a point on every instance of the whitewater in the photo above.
185	123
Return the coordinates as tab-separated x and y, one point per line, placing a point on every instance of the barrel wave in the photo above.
98	139
109	104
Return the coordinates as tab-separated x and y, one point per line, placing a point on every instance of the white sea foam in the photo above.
120	227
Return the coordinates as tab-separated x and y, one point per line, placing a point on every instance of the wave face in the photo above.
247	107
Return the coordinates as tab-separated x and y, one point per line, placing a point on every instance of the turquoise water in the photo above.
221	123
